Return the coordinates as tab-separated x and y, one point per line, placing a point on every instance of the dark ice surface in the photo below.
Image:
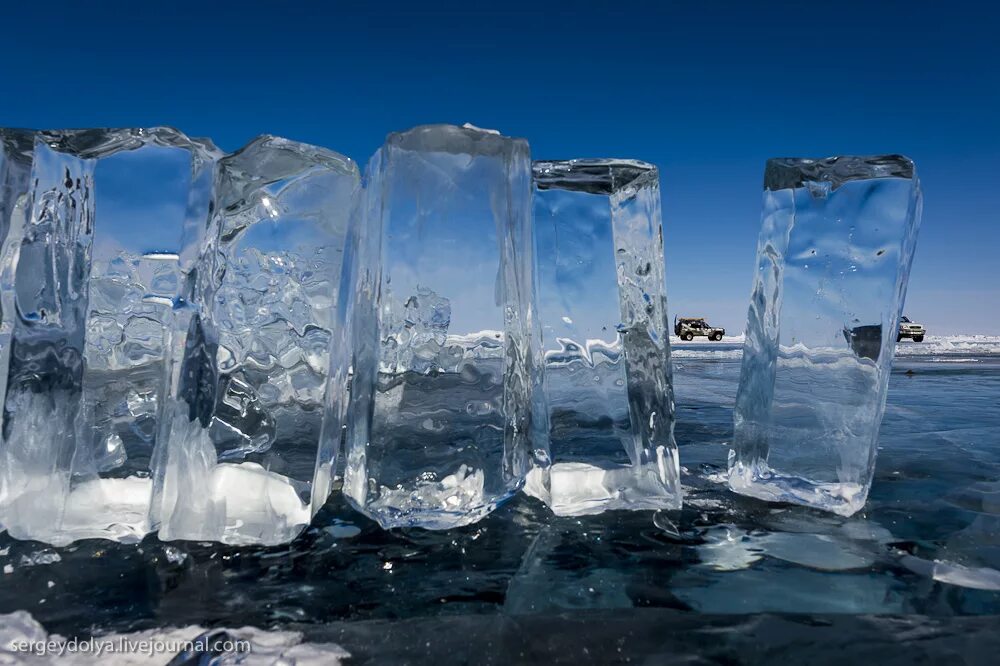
914	577
664	636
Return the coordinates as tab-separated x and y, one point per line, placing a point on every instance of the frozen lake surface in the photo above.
727	576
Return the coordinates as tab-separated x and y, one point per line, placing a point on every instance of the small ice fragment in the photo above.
663	522
174	555
976	578
40	557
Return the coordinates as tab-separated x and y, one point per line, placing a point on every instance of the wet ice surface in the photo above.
927	546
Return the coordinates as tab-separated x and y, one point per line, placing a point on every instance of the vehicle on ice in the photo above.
909	329
866	341
687	327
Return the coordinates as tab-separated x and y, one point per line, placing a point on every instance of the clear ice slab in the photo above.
99	239
445	351
16	150
602	307
241	460
833	261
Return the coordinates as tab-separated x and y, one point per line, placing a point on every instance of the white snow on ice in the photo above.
943	348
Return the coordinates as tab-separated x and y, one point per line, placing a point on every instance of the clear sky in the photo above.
706	90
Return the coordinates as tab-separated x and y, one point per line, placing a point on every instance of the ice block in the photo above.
833	261
240	459
603	311
101	238
445	348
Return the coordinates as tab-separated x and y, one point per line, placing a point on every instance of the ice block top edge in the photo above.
100	142
593	176
297	153
791	172
456	140
17	142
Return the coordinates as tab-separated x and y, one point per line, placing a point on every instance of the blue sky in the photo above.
706	90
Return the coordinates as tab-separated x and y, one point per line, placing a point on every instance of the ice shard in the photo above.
833	261
98	247
445	349
241	460
602	307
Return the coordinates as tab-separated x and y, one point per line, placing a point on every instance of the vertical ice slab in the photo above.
443	364
602	307
16	149
242	461
96	255
833	261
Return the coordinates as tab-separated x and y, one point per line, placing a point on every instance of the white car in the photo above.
909	329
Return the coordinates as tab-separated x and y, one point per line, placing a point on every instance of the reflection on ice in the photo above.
795	591
579	488
729	548
976	578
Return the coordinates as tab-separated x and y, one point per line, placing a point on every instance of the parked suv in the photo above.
909	329
866	341
687	327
